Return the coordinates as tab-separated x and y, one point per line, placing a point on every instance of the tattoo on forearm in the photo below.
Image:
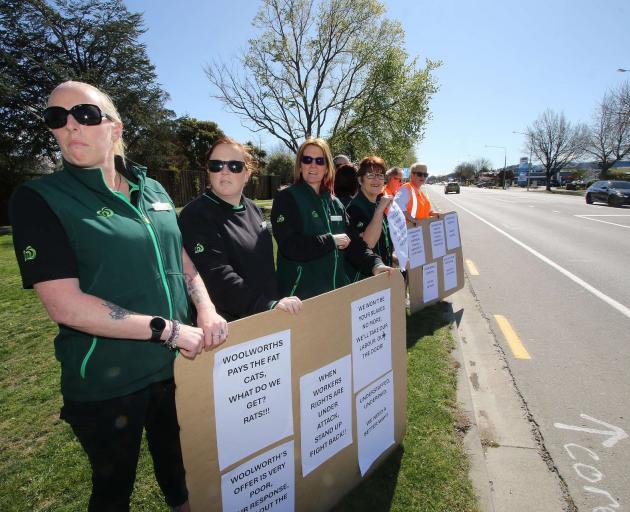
116	312
197	294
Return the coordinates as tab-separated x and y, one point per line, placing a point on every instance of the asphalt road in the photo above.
558	272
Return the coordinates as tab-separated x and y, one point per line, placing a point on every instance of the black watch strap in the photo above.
157	325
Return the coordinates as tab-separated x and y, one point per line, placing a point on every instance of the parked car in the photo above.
613	193
451	186
576	185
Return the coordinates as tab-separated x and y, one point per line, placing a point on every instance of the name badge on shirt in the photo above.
336	218
161	207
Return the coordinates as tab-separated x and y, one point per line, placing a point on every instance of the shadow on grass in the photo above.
376	492
427	321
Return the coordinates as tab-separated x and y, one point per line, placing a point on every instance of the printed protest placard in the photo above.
450	271
252	396
438	243
415	241
397	225
375	420
264	483
452	231
371	338
430	290
325	412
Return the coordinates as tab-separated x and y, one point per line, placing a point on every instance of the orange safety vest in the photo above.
388	191
419	206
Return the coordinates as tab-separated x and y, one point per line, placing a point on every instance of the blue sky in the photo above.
504	63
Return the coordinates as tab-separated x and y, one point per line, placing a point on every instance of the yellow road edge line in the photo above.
472	269
518	350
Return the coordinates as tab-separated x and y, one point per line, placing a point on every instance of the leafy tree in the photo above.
259	155
193	140
554	141
408	158
390	119
96	41
609	134
314	71
281	164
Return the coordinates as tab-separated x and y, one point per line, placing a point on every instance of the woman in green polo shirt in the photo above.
311	228
366	211
99	243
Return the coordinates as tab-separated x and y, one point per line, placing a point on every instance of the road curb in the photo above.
508	467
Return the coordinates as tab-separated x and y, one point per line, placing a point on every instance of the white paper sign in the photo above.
325	412
438	245
450	271
371	338
452	231
397	225
415	242
429	282
265	483
375	420
252	396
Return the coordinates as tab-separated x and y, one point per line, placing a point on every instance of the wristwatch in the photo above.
157	324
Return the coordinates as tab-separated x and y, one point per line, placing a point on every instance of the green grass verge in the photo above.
43	467
429	471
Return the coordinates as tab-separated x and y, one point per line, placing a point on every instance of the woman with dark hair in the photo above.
98	241
366	212
311	228
346	184
229	240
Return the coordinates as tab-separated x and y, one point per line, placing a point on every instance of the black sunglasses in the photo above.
425	174
320	160
85	114
234	166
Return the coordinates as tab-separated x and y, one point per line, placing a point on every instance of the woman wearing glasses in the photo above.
366	212
229	240
410	197
393	181
310	226
99	243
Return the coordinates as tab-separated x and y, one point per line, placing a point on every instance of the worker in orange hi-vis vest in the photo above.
393	181
411	199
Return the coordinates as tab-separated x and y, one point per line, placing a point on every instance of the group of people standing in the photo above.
131	285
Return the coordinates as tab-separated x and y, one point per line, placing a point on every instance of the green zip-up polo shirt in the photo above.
128	253
309	262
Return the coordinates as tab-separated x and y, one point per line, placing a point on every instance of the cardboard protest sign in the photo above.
292	411
438	243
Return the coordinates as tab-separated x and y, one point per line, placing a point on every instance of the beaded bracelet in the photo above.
171	341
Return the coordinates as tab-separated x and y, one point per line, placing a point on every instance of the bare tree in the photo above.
554	141
307	71
481	165
464	171
609	134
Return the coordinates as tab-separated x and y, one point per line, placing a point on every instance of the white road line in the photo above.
599	294
588	217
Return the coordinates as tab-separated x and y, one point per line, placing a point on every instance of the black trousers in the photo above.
110	432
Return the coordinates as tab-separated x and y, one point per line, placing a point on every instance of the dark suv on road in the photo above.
451	186
613	193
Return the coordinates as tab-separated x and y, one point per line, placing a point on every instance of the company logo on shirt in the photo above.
29	253
314	214
199	248
105	212
280	219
